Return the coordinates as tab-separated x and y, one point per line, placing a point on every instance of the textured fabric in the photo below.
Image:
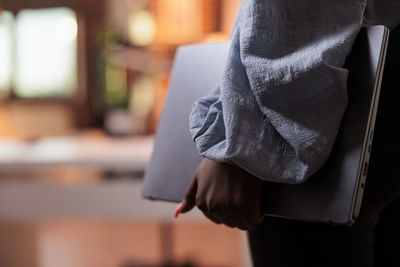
374	240
278	108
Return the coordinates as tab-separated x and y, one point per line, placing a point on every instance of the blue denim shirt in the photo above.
278	108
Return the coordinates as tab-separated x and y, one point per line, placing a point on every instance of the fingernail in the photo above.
178	210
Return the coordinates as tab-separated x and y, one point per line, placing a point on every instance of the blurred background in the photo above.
82	86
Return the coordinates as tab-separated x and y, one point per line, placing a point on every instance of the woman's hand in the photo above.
225	194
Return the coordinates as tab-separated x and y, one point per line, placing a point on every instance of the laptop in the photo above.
333	195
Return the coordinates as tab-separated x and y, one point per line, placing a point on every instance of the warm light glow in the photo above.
181	21
67	29
142	28
142	95
214	37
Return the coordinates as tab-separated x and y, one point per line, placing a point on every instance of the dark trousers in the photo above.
374	240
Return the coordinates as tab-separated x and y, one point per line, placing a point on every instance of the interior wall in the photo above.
229	12
105	244
35	119
18	245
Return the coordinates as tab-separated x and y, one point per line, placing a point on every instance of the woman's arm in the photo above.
278	109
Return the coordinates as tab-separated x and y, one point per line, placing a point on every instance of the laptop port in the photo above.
365	169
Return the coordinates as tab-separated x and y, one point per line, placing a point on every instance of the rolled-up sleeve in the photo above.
278	109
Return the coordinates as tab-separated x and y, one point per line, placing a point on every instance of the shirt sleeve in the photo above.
382	12
278	108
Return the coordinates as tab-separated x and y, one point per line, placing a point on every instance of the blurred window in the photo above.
46	46
6	23
42	61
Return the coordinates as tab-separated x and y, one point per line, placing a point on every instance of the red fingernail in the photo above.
178	210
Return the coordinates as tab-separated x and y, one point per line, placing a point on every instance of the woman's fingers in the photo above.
190	197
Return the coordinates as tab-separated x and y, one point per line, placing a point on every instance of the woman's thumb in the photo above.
189	201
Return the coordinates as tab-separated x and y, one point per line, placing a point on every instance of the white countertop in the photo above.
119	199
131	154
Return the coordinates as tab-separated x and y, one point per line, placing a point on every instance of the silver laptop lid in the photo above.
333	195
197	70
